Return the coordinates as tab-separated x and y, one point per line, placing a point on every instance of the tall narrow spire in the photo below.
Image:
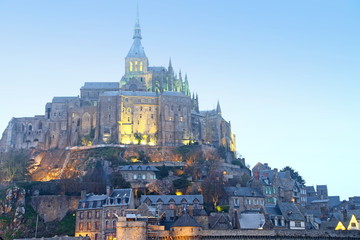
137	50
218	109
137	29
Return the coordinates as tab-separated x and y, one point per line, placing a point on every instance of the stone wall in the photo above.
56	238
54	207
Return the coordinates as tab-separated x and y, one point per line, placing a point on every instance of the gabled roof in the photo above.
290	211
177	198
121	193
185	220
243	191
138	168
101	85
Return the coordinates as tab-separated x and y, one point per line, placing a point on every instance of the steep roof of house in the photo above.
290	211
138	168
121	193
251	220
310	189
243	191
185	220
176	198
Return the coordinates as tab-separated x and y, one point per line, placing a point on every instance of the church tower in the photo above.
136	62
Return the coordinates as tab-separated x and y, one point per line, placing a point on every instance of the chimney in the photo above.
108	190
83	194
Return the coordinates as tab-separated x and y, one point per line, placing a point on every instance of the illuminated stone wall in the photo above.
131	230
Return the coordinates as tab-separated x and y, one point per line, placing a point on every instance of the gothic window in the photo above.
107	225
131	66
30	127
88	225
114	224
81	226
141	66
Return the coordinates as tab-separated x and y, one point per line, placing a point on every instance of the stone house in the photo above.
286	215
277	186
96	215
243	198
172	206
138	175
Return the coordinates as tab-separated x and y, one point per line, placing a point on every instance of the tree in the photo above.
163	172
161	187
14	165
138	136
294	174
212	189
117	181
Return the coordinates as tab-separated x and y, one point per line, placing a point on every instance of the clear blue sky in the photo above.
286	73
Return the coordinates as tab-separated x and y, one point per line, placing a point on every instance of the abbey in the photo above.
150	106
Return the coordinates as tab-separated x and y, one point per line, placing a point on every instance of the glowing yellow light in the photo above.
178	193
219	208
152	143
225	172
340	226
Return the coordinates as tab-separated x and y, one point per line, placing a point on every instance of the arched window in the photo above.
131	66
30	127
107	225
114	224
141	66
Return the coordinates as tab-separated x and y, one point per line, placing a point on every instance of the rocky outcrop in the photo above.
12	209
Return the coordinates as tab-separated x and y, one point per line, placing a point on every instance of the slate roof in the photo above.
136	50
243	191
92	201
64	99
177	198
156	69
185	220
101	85
251	221
129	93
334	201
310	189
121	193
138	168
290	212
273	210
97	201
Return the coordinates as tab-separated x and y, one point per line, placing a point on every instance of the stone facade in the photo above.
97	215
149	106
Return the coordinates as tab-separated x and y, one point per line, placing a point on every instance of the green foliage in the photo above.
117	181
294	174
223	208
237	162
163	172
185	151
86	141
181	183
142	157
14	165
239	180
138	136
67	225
